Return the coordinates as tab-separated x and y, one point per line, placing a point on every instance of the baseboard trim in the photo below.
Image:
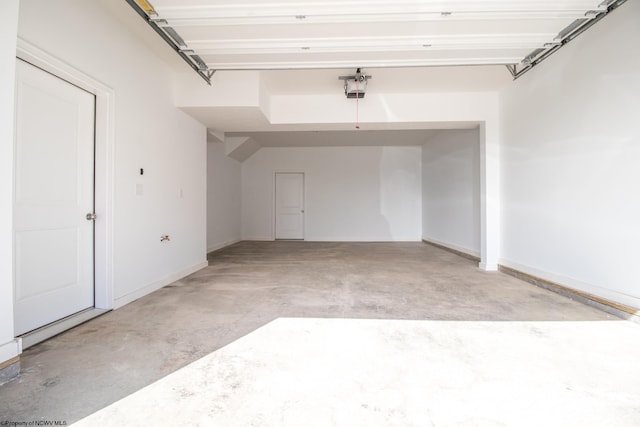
454	250
604	304
335	239
487	267
129	298
222	245
332	240
10	350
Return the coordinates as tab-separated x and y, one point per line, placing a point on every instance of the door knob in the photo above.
91	216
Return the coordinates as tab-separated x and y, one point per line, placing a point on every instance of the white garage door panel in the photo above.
53	193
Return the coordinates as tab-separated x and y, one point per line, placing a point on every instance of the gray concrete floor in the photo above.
255	286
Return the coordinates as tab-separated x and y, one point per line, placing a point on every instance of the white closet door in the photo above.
289	206
54	191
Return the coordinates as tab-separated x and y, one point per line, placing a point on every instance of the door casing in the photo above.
54	191
104	162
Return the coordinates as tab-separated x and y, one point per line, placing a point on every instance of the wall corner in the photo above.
489	194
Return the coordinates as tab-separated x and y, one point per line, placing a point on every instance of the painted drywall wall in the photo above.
8	37
224	200
451	190
570	154
150	133
431	110
351	193
413	107
446	109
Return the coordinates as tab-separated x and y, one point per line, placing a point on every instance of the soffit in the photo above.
334	138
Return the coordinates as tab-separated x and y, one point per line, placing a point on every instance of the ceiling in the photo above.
300	47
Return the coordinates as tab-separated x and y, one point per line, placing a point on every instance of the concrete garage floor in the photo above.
298	333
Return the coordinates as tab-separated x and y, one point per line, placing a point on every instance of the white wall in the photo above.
351	193
150	133
223	198
265	111
451	190
8	34
570	160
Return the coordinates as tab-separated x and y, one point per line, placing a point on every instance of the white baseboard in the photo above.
337	239
126	299
487	267
219	246
361	240
10	350
577	285
457	248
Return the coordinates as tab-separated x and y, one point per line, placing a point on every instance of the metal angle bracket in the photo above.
357	76
146	11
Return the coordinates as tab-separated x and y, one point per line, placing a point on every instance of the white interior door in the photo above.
289	205
54	191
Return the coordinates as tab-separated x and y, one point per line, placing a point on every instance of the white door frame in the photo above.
275	202
104	167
